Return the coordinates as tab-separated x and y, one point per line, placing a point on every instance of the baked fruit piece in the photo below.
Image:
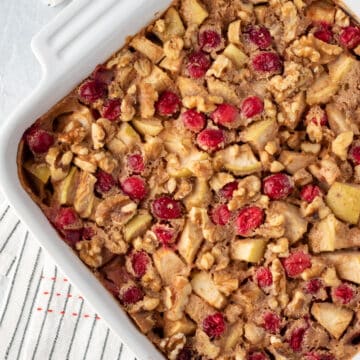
209	175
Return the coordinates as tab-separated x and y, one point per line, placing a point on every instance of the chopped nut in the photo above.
248	189
254	334
84	196
147	98
90	251
118	209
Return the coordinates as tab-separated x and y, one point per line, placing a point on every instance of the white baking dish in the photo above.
85	34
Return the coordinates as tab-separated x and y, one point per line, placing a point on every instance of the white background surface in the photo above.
19	70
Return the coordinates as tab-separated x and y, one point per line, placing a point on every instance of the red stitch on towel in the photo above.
66	279
53	278
86	316
45	293
69	296
58	294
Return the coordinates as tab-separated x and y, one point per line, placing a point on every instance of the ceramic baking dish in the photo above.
85	34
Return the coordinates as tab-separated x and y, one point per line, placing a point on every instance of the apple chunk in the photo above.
347	264
250	250
137	226
190	241
331	234
65	189
295	224
333	318
240	160
169	265
260	133
204	286
344	201
40	171
148	127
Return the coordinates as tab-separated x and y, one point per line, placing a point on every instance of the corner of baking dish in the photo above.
85	33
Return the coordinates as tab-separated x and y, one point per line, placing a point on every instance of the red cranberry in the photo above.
131	295
134	187
324	34
185	354
267	62
316	356
88	232
263	277
38	140
252	106
214	325
111	109
165	234
92	90
350	37
198	64
296	263
260	36
166	208
225	114
313	286
257	355
135	162
72	236
249	219
168	104
271	322
344	293
220	215
228	190
310	192
296	339
321	122
209	40
312	356
354	154
105	182
65	218
277	186
103	75
193	120
139	263
211	139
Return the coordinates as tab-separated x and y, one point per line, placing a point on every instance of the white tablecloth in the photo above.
42	316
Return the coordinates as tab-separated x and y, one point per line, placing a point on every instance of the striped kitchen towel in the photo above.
42	316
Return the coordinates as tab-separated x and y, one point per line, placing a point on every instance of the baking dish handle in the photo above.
51	44
86	31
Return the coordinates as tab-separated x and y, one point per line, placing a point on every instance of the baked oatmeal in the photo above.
209	175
